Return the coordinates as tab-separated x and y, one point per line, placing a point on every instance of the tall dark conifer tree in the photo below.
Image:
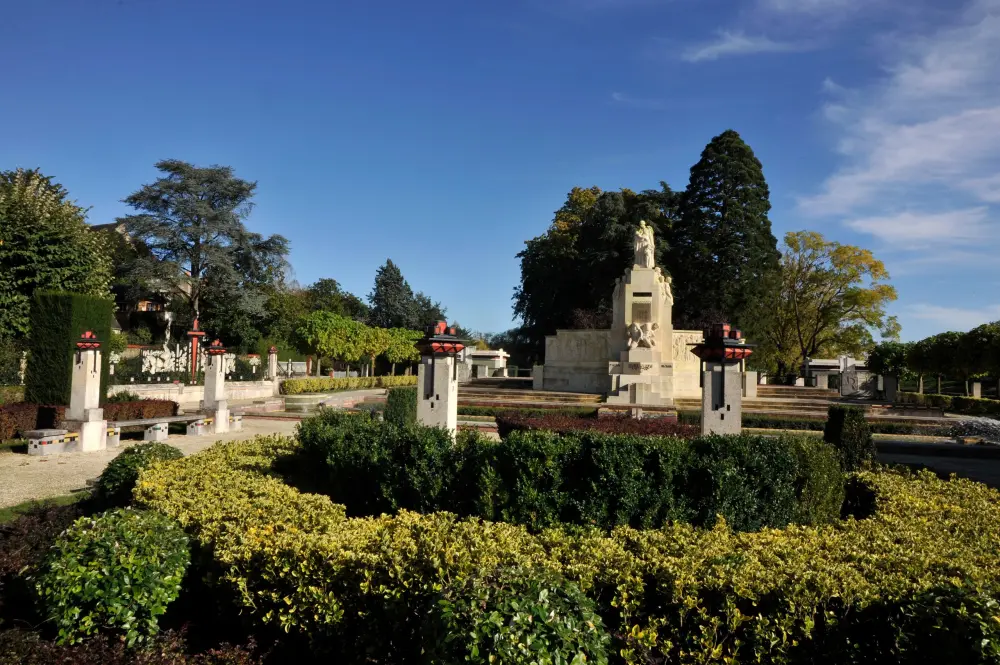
722	251
392	302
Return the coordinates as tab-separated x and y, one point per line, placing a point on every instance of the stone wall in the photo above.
576	361
687	382
187	395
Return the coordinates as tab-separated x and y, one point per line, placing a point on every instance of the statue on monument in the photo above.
644	246
642	335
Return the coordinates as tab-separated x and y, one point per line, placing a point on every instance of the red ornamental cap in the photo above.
88	341
215	348
273	350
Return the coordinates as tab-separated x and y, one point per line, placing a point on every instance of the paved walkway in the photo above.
28	477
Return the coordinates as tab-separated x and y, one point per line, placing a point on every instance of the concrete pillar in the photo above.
437	378
84	413
977	389
721	399
890	386
763	379
823	380
215	381
437	393
272	363
750	385
538	377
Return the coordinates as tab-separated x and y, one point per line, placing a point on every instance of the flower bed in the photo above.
915	582
322	385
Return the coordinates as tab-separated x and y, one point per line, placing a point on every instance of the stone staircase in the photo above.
478	395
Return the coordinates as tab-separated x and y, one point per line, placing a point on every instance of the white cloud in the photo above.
955	318
813	6
729	43
927	136
637	102
922	229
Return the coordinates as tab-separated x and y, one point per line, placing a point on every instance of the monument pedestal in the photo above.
437	378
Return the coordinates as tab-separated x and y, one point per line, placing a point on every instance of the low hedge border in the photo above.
480	410
915	582
763	421
970	406
15	419
325	384
11	394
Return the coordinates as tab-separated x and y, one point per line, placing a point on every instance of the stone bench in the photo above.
157	428
51	441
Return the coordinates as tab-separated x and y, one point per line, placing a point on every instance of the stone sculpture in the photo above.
642	335
644	246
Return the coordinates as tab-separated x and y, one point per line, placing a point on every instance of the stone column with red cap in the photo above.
215	386
195	336
722	353
85	414
437	378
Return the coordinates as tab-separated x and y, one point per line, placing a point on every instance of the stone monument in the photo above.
641	364
85	413
722	382
215	386
437	378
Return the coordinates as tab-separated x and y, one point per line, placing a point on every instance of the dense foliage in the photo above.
401	406
394	305
115	484
45	245
914	582
322	385
57	322
541	478
117	572
847	430
971	406
518	617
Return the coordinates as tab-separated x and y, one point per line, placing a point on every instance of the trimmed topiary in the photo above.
848	431
115	484
401	406
117	572
57	321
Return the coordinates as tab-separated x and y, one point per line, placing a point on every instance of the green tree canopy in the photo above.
191	220
45	245
402	346
831	300
392	302
889	358
723	254
326	294
329	335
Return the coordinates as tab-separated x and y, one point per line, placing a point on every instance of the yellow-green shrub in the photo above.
896	587
325	384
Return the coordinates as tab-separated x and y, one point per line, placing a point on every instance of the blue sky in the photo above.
444	134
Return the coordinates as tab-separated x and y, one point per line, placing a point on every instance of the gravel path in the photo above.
28	477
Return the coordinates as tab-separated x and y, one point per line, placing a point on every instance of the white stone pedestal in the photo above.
721	399
221	417
84	414
437	392
215	382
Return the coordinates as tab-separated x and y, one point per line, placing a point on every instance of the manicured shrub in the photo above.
11	394
517	617
764	421
970	406
115	484
115	572
486	409
401	406
57	321
541	478
376	467
507	423
123	396
848	431
321	385
23	647
678	594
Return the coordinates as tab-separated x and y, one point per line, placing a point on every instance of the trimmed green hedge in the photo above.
541	478
971	406
763	421
322	385
401	405
57	321
115	484
917	581
848	431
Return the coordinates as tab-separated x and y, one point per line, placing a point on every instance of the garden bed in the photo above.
913	578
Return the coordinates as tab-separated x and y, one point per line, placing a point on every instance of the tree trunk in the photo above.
939	384
373	365
319	366
393	369
966	387
920	384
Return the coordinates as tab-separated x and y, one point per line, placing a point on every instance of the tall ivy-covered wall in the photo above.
57	321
